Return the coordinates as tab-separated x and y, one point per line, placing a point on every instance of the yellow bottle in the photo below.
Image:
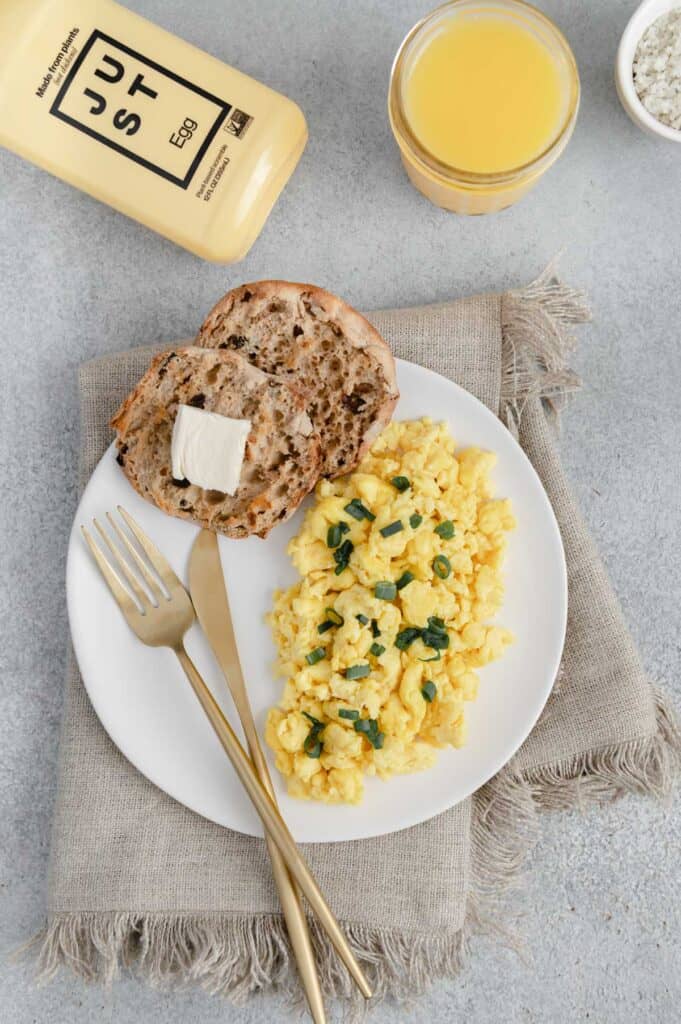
483	98
144	121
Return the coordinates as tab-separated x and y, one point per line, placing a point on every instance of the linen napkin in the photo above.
139	881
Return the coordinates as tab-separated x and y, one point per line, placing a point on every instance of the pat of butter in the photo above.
208	449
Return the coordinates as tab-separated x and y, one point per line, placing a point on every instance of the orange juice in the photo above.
484	94
483	98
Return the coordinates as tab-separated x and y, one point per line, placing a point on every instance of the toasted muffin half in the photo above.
283	453
324	348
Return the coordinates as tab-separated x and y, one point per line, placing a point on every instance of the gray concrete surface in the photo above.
602	910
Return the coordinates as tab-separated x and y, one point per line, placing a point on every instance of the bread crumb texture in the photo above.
331	354
282	460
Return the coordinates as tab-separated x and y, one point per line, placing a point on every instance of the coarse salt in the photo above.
657	69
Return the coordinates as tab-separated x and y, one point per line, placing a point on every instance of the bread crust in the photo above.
329	308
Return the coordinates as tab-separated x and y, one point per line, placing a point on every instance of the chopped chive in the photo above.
343	527
333	536
433	635
376	740
377	650
385	591
363	619
429	691
436	628
353	511
405	638
332	619
415	520
435	638
369	728
435	657
375	631
348	713
358	511
342	556
445	529
401	483
316	655
312	745
388	531
442	566
405	578
357	671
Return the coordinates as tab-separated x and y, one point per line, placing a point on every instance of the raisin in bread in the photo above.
322	346
282	460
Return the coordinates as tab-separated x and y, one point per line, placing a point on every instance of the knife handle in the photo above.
272	820
298	932
289	894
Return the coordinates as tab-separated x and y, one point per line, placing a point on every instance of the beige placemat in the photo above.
137	879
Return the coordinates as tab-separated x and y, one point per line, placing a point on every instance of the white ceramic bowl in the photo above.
644	15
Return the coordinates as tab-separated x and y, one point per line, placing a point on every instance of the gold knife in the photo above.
209	596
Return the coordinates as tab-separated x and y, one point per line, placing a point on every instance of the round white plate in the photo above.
151	714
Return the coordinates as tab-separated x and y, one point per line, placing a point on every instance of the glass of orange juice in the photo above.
483	99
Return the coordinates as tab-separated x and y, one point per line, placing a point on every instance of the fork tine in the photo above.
112	578
160	564
151	582
122	566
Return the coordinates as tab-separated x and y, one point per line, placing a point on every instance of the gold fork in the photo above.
160	612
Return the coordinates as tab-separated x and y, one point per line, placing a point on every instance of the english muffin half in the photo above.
324	348
282	460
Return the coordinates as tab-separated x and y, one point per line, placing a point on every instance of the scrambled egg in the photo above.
380	639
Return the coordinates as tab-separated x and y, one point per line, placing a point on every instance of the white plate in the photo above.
151	714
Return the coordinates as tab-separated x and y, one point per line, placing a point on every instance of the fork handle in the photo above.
289	893
272	820
298	931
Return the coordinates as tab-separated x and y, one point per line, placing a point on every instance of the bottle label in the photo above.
143	110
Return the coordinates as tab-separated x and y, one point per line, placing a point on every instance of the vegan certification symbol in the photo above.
238	123
139	108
